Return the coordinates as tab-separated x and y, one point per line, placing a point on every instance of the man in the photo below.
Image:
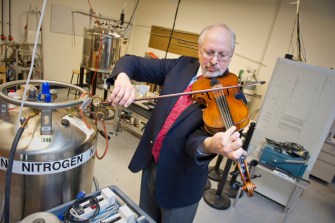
174	151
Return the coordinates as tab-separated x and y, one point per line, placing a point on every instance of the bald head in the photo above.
216	48
218	31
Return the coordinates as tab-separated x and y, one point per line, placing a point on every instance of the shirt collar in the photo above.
199	73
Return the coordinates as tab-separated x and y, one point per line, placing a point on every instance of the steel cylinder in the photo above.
48	170
101	49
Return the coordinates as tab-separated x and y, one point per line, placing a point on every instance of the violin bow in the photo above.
193	92
200	91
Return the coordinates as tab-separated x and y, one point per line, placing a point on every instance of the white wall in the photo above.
263	29
62	53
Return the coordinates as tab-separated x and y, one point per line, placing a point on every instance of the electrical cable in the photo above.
85	93
174	23
132	15
10	38
70	215
97	62
3	37
9	173
111	210
301	54
106	138
99	50
84	118
3	210
122	18
32	62
301	57
19	131
10	167
96	184
91	8
276	10
73	30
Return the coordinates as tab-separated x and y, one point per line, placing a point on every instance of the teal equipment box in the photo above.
280	159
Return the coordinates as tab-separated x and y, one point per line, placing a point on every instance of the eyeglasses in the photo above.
210	55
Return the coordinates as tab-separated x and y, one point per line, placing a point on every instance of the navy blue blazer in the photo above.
181	172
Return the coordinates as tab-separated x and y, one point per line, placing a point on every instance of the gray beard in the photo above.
212	74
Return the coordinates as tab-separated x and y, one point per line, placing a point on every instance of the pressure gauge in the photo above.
96	100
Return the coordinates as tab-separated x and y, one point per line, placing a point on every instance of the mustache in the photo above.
212	71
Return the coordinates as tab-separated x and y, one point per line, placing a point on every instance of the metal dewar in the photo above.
49	169
41	217
101	49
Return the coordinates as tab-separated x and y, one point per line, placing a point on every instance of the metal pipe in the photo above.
3	37
40	105
10	38
97	17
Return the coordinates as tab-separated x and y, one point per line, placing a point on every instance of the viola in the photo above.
221	111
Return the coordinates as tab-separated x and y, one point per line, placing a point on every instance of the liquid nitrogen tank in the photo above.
54	159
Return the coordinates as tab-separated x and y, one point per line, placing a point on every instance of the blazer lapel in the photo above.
178	80
182	80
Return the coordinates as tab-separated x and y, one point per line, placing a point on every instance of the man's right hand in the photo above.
123	92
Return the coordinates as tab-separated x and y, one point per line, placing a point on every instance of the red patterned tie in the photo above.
182	103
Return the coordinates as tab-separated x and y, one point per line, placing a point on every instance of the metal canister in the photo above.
41	217
48	170
101	49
